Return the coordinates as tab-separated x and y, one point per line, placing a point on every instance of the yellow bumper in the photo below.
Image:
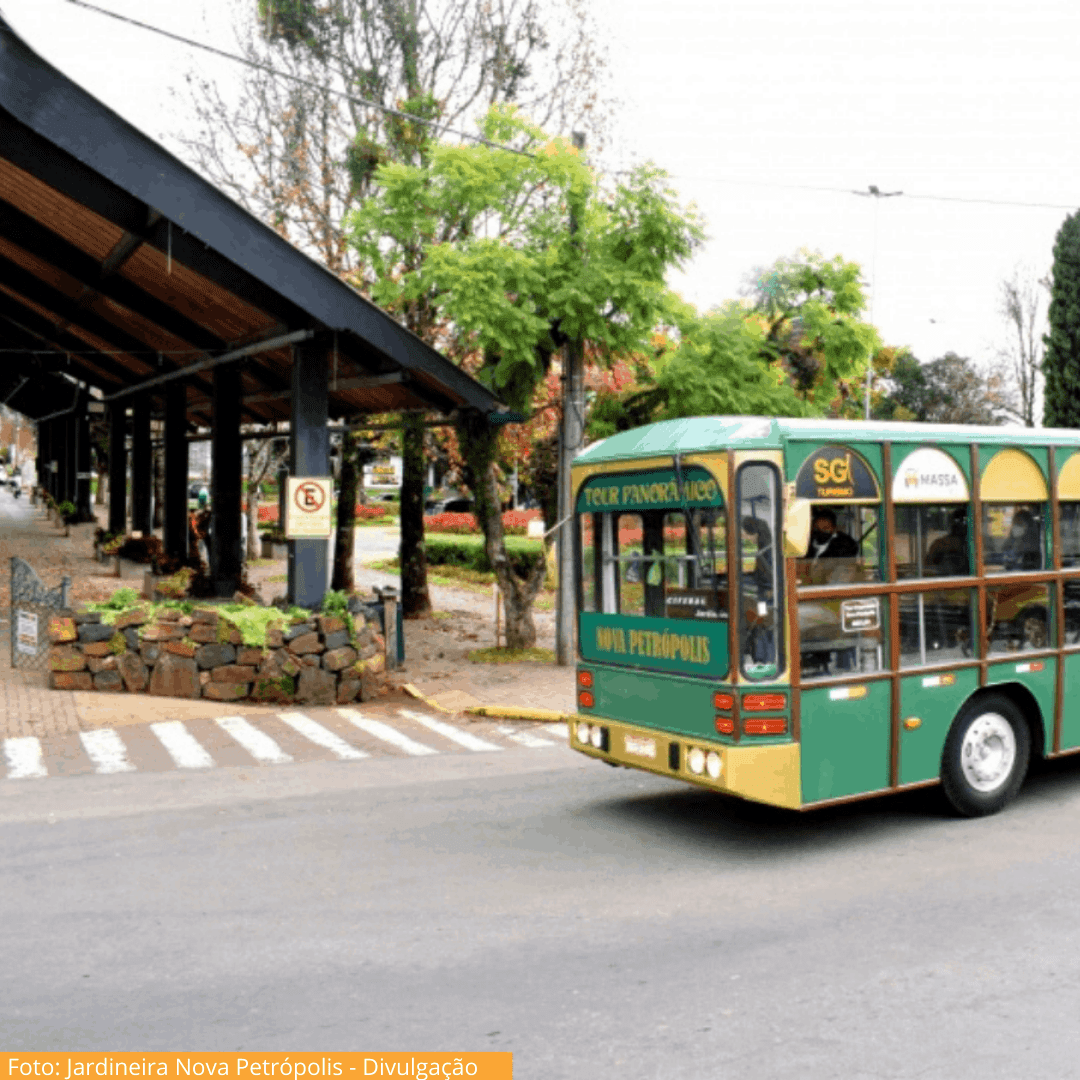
762	773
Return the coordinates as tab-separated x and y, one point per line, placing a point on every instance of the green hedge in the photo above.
468	551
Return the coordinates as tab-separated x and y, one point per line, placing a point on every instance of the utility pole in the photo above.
571	435
873	192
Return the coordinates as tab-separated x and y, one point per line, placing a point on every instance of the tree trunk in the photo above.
415	599
479	441
343	576
102	486
254	545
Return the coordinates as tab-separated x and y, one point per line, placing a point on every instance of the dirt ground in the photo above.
436	649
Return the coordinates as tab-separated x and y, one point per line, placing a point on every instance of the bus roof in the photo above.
702	433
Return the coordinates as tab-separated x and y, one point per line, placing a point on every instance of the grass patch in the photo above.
502	655
463	577
277	578
261	562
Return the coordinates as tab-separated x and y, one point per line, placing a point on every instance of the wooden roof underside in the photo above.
118	264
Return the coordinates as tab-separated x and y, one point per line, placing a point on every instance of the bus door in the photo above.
845	698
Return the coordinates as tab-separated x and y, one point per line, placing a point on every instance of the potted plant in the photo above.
68	513
274	545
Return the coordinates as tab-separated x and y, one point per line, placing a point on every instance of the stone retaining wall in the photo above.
201	655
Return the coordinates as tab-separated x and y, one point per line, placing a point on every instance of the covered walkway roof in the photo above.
120	265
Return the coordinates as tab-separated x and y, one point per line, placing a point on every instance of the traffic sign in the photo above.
307	507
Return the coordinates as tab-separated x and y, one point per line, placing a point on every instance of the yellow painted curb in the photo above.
517	712
413	692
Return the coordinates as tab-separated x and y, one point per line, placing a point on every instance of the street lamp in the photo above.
875	193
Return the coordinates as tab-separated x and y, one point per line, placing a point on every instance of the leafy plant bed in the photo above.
225	652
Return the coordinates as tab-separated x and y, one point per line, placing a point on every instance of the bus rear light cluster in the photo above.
701	762
594	735
764	725
721	700
584	678
764	702
725	725
585	699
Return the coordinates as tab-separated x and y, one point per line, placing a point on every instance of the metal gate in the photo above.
31	606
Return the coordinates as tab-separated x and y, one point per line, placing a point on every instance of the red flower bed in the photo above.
268	512
369	513
515	523
459	524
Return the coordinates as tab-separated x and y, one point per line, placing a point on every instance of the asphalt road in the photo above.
596	922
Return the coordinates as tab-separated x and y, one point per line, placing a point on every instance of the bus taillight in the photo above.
725	725
764	702
721	700
764	725
584	678
586	700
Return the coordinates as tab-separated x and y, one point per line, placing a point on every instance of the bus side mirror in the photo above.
797	528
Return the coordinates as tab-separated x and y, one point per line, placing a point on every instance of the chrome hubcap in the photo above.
988	752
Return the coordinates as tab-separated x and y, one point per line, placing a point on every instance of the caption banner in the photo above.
180	1066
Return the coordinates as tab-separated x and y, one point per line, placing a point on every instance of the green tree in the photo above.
501	266
811	308
1061	363
948	390
301	151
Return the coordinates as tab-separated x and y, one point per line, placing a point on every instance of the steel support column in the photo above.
82	463
62	429
174	516
225	472
71	456
141	467
117	468
309	455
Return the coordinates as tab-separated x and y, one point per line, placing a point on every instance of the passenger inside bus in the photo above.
948	555
1022	549
832	555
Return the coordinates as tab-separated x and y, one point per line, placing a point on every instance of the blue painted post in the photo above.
309	455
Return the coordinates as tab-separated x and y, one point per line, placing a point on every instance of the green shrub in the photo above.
469	551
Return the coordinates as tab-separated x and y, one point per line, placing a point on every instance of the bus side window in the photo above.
1013	537
844	546
932	541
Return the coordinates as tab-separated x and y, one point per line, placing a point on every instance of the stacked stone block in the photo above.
201	655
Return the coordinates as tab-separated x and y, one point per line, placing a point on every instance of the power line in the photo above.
356	100
412	118
848	191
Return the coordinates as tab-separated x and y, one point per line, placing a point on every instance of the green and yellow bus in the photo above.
803	612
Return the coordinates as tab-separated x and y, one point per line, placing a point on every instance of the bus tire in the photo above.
986	756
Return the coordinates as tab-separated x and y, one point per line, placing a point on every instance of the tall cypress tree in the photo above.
1061	363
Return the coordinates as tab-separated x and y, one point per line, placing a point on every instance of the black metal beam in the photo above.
117	470
176	471
225	483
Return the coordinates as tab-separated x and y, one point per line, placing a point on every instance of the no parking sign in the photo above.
307	507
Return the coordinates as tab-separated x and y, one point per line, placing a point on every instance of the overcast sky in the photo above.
752	106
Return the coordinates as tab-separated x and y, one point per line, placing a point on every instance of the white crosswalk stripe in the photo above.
24	758
448	731
525	738
28	757
257	743
322	736
388	734
106	750
185	750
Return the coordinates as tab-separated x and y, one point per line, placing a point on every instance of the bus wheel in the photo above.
986	756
